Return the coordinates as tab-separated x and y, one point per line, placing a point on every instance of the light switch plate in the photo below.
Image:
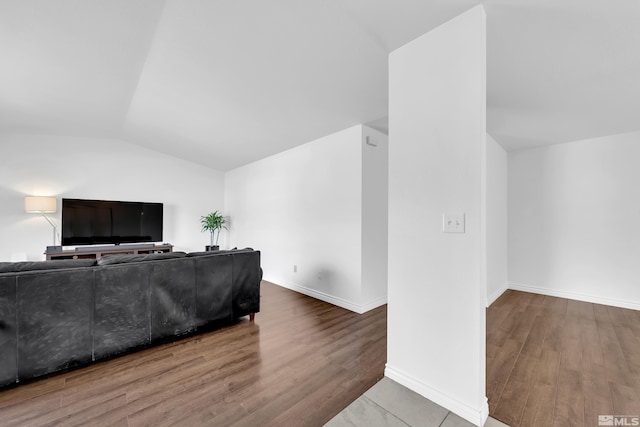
453	222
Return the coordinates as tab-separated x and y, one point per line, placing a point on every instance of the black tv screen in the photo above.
92	222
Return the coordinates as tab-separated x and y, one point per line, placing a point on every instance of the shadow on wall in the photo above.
322	278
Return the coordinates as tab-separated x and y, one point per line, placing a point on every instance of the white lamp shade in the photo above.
38	204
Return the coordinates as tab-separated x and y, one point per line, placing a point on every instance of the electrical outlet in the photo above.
453	222
295	268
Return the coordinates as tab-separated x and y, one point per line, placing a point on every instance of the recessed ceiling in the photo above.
227	83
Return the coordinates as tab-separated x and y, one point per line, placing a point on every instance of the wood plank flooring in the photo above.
300	363
558	362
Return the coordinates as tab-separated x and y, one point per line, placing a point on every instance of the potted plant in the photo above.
212	223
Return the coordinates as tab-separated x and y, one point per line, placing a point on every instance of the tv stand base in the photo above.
96	252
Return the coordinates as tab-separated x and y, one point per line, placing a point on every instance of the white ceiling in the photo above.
562	70
224	83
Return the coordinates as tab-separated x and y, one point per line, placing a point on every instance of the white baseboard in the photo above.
497	294
473	415
340	302
576	296
372	304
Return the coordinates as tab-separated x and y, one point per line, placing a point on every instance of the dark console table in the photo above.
97	252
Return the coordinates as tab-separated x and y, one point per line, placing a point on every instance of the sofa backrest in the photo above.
127	258
14	267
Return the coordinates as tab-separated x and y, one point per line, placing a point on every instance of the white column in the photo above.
437	280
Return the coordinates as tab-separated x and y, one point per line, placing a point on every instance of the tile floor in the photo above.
389	404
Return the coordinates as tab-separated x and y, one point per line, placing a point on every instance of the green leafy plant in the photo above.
212	223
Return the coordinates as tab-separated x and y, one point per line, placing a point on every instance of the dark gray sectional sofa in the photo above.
55	315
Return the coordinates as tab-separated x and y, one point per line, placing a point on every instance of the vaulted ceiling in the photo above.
227	82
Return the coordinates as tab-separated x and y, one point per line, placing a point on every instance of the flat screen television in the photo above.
92	222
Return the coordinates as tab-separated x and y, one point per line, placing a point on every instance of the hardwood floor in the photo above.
558	362
300	363
550	362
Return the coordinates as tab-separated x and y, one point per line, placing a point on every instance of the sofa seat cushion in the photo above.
123	259
14	267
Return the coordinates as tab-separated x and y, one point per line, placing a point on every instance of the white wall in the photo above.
375	218
322	207
99	169
303	207
574	220
437	289
496	220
